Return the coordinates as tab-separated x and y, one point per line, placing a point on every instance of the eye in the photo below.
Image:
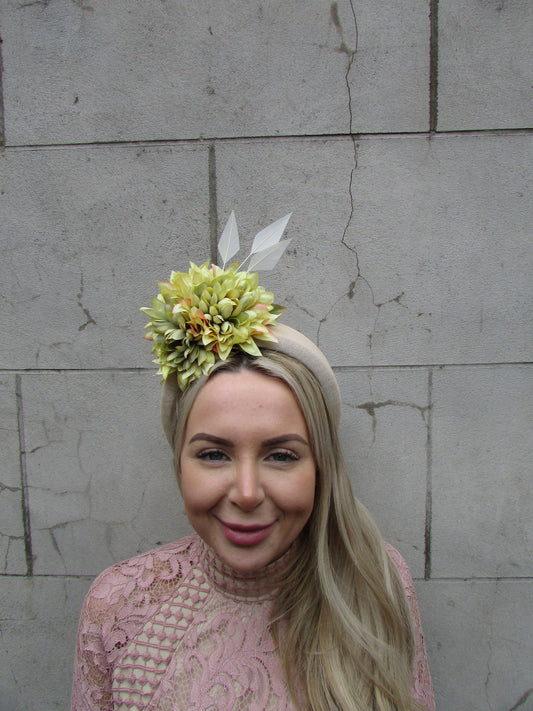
211	455
283	456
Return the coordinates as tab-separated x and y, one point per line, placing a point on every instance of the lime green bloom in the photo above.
199	316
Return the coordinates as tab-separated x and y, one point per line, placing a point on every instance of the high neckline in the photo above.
257	585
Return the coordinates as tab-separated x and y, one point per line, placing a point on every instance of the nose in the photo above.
246	490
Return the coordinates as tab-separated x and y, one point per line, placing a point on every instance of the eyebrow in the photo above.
283	439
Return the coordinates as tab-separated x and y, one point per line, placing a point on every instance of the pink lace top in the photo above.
176	629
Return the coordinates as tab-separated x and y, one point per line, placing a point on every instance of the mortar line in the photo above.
2	121
433	65
213	212
166	142
435	579
337	368
429	481
423	366
26	522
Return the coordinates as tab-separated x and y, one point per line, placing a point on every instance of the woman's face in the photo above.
247	471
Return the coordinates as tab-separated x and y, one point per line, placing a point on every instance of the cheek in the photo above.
199	492
299	497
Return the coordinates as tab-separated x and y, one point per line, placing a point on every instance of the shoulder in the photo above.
403	569
146	574
421	686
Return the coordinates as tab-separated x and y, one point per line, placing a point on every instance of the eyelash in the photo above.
216	455
211	455
284	456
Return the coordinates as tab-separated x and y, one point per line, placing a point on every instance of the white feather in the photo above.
267	258
270	235
228	244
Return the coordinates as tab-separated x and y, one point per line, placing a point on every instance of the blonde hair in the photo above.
342	622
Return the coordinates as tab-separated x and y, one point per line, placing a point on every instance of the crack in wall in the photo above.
90	319
349	294
343	48
394	300
55	545
490	635
10	540
14	678
80	462
351	60
45	3
351	55
371	407
4	487
350	193
522	700
26	519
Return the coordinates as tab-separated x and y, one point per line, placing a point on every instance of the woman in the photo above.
286	597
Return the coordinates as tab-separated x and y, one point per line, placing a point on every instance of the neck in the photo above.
257	584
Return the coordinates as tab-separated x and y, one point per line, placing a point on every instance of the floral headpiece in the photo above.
201	315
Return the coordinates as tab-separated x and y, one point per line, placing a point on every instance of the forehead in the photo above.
246	398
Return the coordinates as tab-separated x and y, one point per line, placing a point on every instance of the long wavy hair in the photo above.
341	622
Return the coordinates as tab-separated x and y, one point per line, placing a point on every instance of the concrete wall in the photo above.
397	133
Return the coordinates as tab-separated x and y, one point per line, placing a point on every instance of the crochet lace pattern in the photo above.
176	629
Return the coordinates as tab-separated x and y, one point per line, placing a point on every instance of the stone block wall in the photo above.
398	134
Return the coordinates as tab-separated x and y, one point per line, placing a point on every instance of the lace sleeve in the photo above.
91	684
117	606
421	686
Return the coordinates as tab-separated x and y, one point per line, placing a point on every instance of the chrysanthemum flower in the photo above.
199	316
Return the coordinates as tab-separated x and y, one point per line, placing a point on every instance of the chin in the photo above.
246	562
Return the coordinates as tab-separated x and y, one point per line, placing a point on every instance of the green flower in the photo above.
199	316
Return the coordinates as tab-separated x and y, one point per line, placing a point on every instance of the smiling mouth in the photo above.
245	534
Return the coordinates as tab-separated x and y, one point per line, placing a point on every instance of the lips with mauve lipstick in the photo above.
245	534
